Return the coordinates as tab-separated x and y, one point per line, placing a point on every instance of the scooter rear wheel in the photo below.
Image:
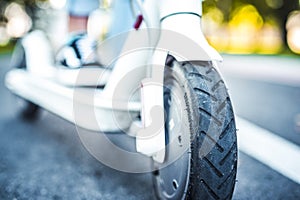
201	144
26	109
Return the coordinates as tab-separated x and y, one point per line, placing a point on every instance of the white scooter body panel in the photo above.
74	105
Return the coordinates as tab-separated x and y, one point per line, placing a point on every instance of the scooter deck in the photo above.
86	107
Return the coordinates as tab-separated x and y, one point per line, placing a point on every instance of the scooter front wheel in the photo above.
201	146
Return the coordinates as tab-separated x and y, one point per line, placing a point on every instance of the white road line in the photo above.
270	149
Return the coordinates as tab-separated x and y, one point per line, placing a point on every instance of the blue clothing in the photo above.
122	18
82	8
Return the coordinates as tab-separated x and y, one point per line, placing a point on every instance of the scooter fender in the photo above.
184	46
39	54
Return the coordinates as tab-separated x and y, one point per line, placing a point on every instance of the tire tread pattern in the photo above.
216	172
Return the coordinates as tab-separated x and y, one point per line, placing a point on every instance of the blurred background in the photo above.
231	26
253	26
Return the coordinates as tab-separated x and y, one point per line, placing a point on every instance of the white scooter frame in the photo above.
39	83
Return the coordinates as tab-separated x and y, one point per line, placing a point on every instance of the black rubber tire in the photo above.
26	109
211	131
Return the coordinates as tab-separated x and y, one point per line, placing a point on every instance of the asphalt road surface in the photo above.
46	160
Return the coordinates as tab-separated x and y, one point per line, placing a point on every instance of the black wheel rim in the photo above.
171	182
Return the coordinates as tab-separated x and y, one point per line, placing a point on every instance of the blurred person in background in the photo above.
79	11
80	49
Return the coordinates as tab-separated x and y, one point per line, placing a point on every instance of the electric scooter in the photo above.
162	88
